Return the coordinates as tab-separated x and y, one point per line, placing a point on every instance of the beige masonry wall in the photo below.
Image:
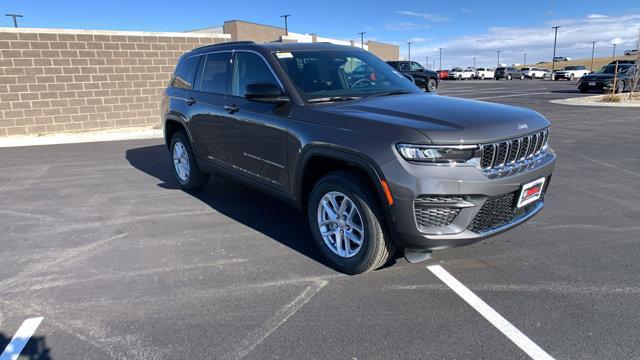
384	51
80	80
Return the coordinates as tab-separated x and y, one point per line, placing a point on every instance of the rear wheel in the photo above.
432	85
521	77
571	77
481	76
509	77
544	76
620	87
347	223
185	168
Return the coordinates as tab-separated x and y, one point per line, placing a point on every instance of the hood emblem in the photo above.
522	126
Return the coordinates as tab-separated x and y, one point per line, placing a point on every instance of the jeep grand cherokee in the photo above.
375	162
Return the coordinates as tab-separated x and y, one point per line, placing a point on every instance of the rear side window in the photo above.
186	73
249	68
214	73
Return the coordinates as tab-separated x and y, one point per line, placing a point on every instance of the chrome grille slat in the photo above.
512	156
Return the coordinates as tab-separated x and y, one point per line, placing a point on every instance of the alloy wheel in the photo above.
181	161
341	225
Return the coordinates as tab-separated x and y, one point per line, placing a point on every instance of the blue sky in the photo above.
460	27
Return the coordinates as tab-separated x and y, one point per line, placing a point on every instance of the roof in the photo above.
274	46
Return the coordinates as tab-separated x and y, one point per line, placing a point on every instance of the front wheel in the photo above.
509	77
571	77
620	87
185	168
481	76
347	223
521	77
432	85
544	76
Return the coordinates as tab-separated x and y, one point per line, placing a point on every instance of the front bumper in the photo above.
412	181
598	85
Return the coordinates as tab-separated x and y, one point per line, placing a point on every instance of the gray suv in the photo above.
376	163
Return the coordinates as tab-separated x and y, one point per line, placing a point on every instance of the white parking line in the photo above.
505	327
20	339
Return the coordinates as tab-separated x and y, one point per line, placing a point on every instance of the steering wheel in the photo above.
361	81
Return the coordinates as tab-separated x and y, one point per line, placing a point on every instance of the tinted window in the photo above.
214	73
415	66
405	66
186	73
249	68
500	69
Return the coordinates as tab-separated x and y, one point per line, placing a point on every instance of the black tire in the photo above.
521	77
481	76
432	85
195	179
544	76
509	77
377	245
620	87
571	77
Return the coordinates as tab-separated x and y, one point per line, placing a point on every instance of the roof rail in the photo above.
226	43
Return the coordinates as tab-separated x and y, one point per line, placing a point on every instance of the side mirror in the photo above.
265	93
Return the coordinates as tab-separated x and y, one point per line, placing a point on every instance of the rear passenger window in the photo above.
186	73
214	73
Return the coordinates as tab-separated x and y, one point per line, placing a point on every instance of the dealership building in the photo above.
239	30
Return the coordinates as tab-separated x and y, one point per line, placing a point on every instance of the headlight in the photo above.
437	154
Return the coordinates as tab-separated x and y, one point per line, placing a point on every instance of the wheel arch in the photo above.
318	161
173	124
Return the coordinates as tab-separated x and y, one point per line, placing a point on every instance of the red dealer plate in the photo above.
531	192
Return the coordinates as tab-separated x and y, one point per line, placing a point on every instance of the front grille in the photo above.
498	211
512	156
429	217
436	210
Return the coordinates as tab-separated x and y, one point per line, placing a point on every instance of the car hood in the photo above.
445	120
597	77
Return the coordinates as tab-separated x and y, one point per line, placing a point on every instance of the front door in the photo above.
255	133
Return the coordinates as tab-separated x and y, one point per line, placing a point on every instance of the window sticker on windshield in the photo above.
284	55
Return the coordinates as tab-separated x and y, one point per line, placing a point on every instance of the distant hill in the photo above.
597	62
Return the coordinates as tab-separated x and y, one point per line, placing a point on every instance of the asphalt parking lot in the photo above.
96	239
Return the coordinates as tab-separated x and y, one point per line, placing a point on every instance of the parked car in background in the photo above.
603	79
631	52
484	73
561	58
535	72
423	78
443	74
571	72
622	62
508	73
460	74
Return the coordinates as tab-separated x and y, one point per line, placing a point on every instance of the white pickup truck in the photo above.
571	72
484	73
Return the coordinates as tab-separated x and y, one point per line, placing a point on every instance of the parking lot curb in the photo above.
74	138
574	102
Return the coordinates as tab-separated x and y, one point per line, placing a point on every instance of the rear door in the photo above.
208	99
255	133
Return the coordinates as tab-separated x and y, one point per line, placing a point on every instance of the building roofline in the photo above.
254	23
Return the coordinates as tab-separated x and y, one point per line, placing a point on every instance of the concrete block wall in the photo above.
58	80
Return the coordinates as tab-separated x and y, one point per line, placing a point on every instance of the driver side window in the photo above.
415	66
249	68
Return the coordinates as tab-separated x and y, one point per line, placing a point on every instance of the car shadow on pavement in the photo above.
36	348
263	213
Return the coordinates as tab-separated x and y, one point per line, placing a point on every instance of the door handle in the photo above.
190	101
232	108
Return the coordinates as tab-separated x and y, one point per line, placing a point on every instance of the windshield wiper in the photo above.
394	92
333	99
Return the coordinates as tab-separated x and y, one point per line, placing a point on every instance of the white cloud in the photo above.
574	40
597	16
405	26
425	16
418	39
467	11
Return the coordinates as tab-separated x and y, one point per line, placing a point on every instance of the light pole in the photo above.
474	62
409	56
555	40
426	63
440	58
14	16
498	57
613	57
593	49
286	27
362	39
525	60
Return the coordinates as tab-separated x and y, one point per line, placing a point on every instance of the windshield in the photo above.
611	69
341	74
